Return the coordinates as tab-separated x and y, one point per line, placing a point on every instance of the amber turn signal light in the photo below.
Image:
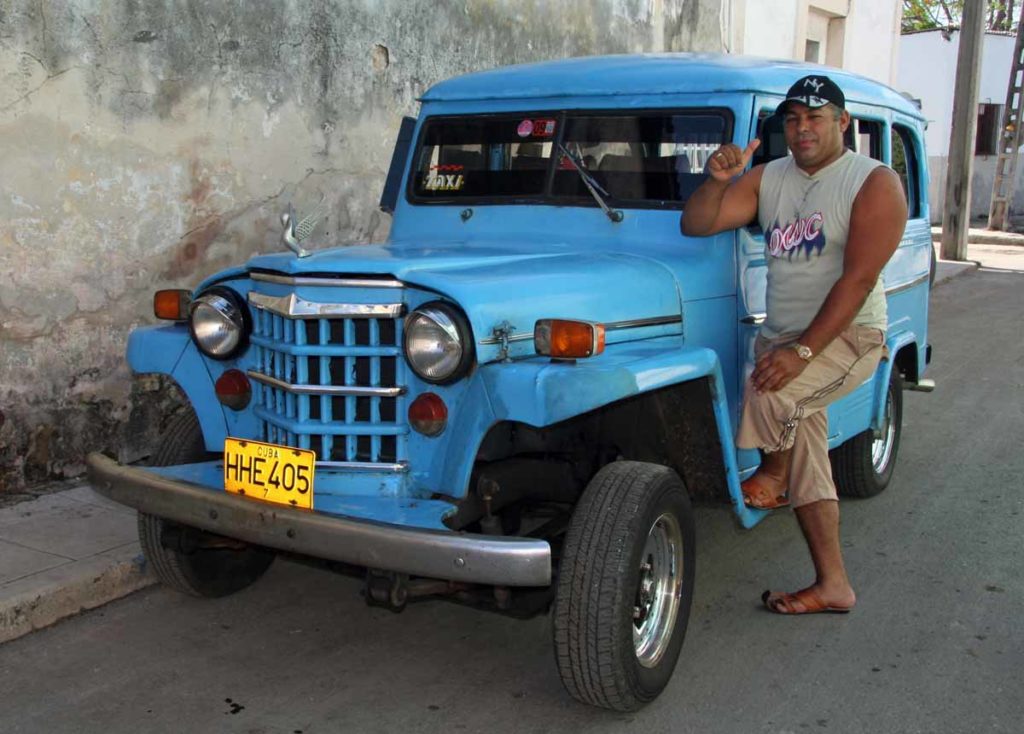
564	339
171	305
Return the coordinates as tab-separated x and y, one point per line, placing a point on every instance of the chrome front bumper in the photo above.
479	559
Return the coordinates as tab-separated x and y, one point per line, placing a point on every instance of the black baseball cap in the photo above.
814	90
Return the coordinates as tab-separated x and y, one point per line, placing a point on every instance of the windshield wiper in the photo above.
592	186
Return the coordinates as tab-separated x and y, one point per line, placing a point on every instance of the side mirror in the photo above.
393	183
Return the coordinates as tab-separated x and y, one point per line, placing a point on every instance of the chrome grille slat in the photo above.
293	307
330	351
304	388
287	426
321	381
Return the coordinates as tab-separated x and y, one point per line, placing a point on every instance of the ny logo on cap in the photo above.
816	84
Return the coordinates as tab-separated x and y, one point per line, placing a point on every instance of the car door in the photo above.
752	267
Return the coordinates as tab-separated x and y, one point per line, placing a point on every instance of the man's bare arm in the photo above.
877	220
721	203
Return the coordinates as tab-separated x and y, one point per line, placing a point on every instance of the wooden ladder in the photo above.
1009	141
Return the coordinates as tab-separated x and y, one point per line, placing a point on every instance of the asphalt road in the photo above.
936	643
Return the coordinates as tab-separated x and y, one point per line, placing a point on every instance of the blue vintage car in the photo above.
513	401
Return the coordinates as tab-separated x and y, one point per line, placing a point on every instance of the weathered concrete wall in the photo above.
147	143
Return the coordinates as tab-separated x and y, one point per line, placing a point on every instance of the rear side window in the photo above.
904	162
865	137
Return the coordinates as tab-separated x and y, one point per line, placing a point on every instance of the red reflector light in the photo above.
233	389
428	414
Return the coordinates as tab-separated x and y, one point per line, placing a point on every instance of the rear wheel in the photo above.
625	586
863	466
186	559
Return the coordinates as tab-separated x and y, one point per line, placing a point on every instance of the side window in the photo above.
904	162
865	137
773	138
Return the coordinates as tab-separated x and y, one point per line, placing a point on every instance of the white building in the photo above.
927	70
861	36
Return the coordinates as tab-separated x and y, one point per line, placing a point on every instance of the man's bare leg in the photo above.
775	468
771	480
819	522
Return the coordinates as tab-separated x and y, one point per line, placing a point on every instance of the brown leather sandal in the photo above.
757	494
808	599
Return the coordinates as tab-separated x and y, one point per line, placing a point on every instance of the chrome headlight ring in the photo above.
219	322
438	343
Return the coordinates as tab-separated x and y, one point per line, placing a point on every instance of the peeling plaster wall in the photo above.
145	144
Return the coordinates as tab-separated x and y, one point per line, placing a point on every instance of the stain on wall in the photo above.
148	143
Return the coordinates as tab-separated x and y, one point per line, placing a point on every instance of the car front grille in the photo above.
330	377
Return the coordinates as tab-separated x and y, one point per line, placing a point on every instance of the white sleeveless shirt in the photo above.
806	221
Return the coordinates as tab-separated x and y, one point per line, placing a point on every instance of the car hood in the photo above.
504	286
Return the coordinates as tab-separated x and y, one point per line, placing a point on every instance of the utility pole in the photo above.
956	214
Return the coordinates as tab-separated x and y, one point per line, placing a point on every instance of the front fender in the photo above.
169	350
541	392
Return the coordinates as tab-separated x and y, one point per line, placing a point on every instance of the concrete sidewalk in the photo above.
63	553
73	550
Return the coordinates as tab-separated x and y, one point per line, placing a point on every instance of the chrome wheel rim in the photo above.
881	447
656	602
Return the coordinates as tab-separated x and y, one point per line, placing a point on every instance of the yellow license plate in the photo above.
266	471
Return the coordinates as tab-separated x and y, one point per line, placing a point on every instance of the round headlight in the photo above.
217	320
437	343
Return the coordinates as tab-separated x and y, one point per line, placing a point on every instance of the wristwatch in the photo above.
803	352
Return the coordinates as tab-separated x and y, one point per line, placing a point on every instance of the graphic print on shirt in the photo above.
806	233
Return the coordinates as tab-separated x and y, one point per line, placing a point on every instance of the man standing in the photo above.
831	219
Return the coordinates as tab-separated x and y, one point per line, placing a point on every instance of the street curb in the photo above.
1010	239
68	590
949	270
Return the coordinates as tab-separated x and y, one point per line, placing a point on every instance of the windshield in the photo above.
649	158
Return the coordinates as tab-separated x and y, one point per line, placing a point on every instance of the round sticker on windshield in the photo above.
525	129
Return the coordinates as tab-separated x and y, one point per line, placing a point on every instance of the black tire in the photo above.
599	587
199	571
856	467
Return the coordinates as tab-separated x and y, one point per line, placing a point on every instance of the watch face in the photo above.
804	352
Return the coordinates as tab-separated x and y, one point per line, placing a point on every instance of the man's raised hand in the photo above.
729	161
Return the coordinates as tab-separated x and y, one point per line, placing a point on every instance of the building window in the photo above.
812	51
986	142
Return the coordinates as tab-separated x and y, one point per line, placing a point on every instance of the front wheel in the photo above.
625	586
187	559
863	466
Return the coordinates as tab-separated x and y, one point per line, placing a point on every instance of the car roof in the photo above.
653	74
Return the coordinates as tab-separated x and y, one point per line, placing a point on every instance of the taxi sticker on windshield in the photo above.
525	129
444	182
